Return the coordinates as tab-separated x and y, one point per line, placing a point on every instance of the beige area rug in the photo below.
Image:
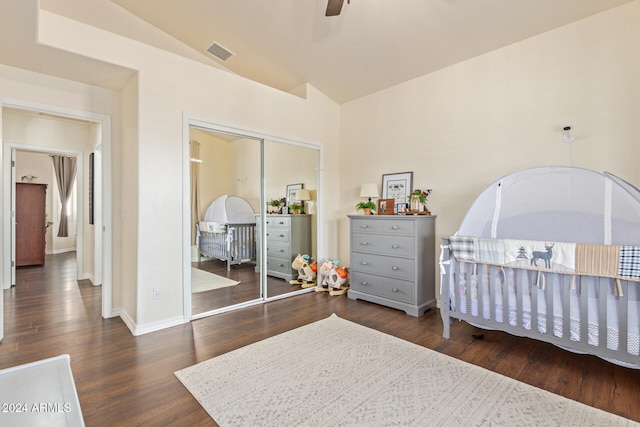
337	373
202	281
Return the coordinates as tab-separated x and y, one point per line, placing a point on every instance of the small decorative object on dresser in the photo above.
386	206
393	261
419	200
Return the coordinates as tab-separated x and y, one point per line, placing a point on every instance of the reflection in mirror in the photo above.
291	181
225	200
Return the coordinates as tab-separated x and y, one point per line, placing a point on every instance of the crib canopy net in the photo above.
230	210
557	203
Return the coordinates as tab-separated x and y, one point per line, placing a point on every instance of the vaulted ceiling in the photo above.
370	46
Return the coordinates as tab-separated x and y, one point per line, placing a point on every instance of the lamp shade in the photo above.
369	190
303	195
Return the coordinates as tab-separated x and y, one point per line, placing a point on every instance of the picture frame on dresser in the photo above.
397	186
386	206
291	193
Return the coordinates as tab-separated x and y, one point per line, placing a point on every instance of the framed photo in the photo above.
386	206
402	208
397	186
291	193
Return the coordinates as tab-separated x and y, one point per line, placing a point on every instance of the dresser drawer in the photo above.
276	222
277	235
382	286
381	244
279	265
365	226
279	250
398	227
397	268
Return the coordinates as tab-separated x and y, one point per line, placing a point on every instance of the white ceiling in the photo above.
372	45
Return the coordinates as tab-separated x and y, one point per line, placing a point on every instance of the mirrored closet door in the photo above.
253	211
291	190
226	182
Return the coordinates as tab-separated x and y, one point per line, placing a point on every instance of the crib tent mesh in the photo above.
230	210
557	203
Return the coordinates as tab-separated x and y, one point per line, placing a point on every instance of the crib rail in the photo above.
579	313
236	244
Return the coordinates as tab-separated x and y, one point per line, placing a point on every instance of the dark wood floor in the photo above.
125	380
247	290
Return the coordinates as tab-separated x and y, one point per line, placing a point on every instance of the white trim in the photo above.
150	327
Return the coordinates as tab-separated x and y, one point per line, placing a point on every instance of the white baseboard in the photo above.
150	327
60	251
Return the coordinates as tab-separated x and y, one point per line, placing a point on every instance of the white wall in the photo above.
461	128
151	163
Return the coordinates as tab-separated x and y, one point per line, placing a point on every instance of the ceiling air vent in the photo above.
220	52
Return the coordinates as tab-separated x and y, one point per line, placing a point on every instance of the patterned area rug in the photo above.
202	281
337	373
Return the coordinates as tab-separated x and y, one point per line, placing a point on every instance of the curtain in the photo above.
65	170
194	152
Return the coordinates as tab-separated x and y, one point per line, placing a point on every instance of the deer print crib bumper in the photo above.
619	262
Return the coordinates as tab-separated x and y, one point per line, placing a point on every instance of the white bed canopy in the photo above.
230	210
557	203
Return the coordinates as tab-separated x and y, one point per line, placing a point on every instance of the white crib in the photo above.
227	231
594	311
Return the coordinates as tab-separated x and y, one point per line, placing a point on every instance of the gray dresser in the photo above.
393	261
287	236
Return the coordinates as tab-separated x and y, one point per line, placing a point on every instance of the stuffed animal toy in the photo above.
338	277
310	271
325	269
306	271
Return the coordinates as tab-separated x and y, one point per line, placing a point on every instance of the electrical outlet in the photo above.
156	293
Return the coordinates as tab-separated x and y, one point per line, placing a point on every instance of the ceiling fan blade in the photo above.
334	7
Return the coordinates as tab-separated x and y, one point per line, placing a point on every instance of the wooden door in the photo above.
31	203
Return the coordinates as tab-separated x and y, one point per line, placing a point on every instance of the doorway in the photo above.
35	140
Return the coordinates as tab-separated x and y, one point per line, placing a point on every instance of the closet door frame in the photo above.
190	121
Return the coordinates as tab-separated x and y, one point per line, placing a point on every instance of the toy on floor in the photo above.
338	278
307	271
325	269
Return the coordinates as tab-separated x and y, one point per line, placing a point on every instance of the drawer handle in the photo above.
395	268
364	243
281	250
364	263
395	246
281	265
395	289
364	282
395	227
281	223
364	226
282	235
